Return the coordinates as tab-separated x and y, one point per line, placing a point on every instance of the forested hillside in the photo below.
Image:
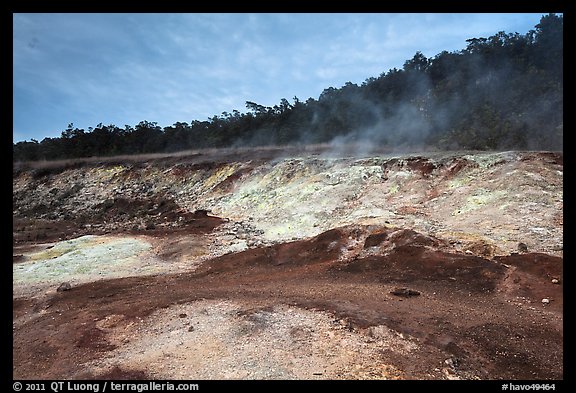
500	92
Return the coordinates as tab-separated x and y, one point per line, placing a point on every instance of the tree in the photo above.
503	90
418	63
257	109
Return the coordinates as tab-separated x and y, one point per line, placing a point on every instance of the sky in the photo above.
121	69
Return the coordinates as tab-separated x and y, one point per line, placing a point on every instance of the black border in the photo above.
434	6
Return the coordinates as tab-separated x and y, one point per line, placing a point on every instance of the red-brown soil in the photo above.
467	309
478	315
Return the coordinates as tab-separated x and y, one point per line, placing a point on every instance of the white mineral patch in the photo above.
82	259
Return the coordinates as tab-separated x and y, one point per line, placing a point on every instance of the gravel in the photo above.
229	340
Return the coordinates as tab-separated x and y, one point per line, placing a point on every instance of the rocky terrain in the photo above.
293	263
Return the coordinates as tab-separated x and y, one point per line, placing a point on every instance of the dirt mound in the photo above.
403	256
324	248
410	263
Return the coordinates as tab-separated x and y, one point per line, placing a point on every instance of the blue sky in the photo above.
124	68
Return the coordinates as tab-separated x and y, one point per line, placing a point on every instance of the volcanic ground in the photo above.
289	263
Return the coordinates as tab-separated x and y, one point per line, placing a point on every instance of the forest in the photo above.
504	92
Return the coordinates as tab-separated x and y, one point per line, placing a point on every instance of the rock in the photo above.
545	301
522	247
555	281
452	363
481	248
106	204
201	213
375	239
65	286
405	292
182	315
149	226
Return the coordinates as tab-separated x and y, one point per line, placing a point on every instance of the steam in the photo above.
490	112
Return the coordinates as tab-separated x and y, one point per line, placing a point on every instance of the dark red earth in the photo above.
485	315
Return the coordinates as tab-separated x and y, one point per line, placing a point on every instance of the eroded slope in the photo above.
500	199
288	268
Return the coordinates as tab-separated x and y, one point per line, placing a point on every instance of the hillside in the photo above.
290	263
